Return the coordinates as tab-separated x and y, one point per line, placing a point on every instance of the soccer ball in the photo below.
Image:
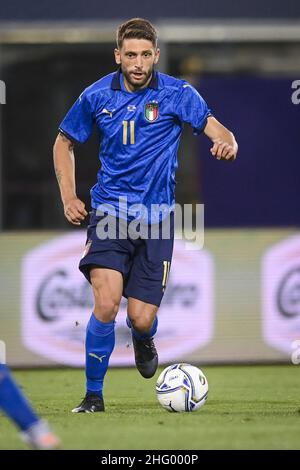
182	387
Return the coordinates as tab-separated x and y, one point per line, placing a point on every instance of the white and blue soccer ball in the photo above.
182	387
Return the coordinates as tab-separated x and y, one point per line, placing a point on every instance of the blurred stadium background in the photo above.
236	301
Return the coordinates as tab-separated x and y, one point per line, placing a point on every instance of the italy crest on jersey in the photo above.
151	111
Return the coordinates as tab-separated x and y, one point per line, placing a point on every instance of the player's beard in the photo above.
137	83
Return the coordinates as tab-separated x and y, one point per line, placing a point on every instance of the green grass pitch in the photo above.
248	407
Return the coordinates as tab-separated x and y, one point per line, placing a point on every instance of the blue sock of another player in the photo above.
13	402
148	334
100	342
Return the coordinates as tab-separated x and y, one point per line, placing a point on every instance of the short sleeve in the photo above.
78	122
190	107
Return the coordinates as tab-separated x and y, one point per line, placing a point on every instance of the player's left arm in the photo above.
224	146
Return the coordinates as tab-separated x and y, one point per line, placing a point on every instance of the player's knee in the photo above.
142	324
105	309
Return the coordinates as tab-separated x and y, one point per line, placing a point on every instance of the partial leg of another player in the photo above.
100	335
142	319
34	431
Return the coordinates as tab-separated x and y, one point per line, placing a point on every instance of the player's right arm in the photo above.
64	164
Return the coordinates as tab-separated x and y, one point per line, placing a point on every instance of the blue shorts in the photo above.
144	262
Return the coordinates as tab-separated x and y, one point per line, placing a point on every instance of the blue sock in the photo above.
148	334
100	342
13	402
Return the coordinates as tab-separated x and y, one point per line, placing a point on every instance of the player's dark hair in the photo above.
137	28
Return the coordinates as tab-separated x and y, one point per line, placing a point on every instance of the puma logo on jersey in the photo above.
105	111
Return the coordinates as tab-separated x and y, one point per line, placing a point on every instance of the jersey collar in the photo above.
116	85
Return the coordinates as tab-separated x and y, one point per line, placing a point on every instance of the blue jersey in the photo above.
139	137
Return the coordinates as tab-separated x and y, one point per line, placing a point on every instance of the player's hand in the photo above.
224	151
74	210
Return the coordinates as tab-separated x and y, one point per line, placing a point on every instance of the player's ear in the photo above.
157	54
117	56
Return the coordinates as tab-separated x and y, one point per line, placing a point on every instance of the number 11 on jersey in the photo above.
125	132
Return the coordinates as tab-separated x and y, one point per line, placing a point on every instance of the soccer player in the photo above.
139	115
34	431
